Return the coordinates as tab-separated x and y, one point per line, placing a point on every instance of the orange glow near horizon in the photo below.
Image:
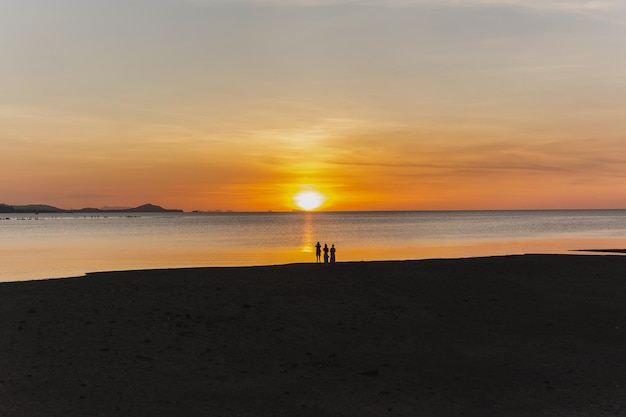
412	176
231	107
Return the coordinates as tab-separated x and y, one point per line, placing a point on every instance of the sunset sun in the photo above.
309	200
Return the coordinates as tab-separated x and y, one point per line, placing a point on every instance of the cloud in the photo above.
533	4
412	155
613	11
572	5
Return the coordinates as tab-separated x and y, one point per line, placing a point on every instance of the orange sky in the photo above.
379	105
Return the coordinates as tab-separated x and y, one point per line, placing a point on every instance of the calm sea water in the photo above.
63	245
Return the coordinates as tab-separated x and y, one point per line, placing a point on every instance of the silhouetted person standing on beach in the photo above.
325	254
318	252
332	254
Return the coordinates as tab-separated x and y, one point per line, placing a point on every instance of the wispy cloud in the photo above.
534	4
414	157
613	11
600	5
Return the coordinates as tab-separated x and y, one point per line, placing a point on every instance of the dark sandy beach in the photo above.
533	335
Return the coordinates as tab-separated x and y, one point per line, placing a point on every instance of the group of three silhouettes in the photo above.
318	253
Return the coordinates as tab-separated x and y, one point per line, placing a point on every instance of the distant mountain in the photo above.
4	208
149	208
43	208
37	208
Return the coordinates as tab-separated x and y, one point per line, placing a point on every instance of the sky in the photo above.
376	104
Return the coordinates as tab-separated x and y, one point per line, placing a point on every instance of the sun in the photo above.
309	200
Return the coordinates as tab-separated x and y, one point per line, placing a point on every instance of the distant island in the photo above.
43	208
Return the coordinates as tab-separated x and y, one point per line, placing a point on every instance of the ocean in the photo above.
65	245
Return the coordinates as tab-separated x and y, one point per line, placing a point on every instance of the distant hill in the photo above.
149	208
36	208
44	208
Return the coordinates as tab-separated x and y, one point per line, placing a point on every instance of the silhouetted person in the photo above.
325	254
332	254
318	252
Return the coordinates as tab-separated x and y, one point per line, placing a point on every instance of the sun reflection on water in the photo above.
307	234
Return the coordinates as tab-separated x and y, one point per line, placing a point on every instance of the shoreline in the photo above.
509	335
579	252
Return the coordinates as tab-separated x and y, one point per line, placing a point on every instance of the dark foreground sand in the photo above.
535	335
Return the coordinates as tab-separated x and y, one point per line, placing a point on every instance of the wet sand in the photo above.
532	335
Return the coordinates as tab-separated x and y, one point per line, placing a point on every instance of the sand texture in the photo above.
532	335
